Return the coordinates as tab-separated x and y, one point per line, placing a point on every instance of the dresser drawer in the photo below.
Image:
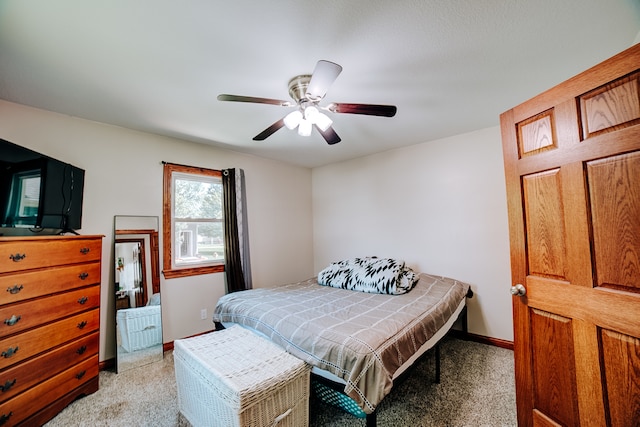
25	375
21	316
18	347
25	254
21	286
25	404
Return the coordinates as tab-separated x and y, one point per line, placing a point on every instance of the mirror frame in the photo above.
153	254
141	297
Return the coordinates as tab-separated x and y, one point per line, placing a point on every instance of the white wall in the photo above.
123	176
440	206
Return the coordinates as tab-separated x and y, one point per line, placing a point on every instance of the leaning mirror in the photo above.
137	291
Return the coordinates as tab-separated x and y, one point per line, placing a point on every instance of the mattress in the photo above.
361	338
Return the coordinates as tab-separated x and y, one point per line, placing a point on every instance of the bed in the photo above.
359	340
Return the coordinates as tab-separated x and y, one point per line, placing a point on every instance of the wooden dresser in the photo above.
49	324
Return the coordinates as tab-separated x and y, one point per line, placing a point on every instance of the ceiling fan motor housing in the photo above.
298	88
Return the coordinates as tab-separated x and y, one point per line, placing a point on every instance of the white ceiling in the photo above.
157	65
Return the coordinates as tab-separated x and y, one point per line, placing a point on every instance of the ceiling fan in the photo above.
307	90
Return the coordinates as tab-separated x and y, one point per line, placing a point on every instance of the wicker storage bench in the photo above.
140	327
234	377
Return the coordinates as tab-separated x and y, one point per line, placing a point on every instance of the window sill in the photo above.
196	271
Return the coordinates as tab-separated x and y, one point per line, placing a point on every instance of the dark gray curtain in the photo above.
236	236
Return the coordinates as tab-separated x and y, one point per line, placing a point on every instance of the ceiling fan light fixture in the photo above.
292	119
323	121
304	129
317	118
309	112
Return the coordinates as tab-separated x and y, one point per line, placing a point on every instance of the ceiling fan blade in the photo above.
367	109
269	131
239	98
329	135
325	73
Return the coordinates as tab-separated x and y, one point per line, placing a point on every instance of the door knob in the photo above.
518	290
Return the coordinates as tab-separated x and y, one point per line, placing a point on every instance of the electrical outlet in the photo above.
203	314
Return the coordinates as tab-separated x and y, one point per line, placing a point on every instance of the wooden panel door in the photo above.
572	167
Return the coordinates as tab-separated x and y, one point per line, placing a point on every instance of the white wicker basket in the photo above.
140	327
233	377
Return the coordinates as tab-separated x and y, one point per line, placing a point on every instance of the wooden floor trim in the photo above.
497	342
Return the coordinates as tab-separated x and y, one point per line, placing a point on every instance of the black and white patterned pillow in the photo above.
369	274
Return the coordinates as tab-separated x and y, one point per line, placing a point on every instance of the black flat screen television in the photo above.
38	192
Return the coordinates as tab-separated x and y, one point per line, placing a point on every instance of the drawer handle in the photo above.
84	251
80	374
12	320
82	324
17	257
82	349
4	418
83	300
83	275
9	352
15	289
7	385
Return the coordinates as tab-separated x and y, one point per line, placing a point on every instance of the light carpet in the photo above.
476	389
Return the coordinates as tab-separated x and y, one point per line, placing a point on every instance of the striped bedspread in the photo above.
362	338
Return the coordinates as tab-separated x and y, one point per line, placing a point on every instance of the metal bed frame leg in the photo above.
437	363
465	321
372	419
465	328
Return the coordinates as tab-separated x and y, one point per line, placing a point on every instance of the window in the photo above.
192	221
24	199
